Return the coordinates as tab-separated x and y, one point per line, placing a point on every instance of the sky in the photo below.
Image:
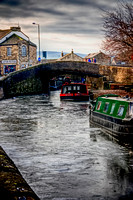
64	24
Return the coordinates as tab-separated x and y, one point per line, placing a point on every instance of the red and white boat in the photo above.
74	91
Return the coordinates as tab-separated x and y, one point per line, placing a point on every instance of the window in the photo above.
9	68
78	87
120	111
106	106
8	51
74	87
23	50
112	109
131	109
99	105
67	89
24	66
83	89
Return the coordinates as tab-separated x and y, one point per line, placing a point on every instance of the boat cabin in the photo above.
114	115
74	91
115	106
74	88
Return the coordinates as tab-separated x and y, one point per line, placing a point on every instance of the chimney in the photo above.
15	28
62	54
72	51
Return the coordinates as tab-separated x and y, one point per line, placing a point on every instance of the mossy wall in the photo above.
25	82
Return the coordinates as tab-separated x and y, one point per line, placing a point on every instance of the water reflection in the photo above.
58	153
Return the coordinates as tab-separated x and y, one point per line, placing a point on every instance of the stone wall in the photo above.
118	74
100	58
12	184
94	83
32	56
16	43
26	82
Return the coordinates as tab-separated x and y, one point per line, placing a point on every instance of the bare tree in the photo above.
118	27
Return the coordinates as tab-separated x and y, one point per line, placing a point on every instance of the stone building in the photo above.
99	58
70	57
16	50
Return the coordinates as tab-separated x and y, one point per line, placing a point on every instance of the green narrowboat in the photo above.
115	116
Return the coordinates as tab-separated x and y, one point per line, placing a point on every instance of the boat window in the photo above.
106	106
99	105
120	111
83	89
78	87
74	87
69	88
112	109
66	89
131	109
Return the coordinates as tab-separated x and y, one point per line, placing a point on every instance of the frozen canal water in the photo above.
59	155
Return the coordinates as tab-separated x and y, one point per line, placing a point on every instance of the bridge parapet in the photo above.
73	67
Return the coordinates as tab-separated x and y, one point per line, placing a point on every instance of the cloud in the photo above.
56	7
69	17
11	2
33	8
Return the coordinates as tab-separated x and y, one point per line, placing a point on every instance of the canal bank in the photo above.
12	184
122	93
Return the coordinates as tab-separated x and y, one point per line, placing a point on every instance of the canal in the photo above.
59	154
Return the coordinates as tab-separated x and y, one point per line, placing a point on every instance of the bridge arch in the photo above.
35	80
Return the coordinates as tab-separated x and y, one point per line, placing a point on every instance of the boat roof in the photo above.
74	84
118	98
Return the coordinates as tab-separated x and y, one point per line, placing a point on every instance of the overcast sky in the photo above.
65	24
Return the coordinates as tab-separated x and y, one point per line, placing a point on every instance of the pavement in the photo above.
12	184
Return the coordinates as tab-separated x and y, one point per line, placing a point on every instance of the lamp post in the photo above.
39	58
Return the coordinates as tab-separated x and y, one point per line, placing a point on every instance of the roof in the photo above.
70	57
92	55
67	84
3	33
119	99
7	33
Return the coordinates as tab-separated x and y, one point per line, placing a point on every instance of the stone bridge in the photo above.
35	80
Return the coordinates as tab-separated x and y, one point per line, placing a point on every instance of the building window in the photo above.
9	51
24	50
23	66
9	68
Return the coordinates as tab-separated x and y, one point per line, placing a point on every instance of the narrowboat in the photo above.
74	91
115	116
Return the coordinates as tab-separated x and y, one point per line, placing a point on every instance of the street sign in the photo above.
39	59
